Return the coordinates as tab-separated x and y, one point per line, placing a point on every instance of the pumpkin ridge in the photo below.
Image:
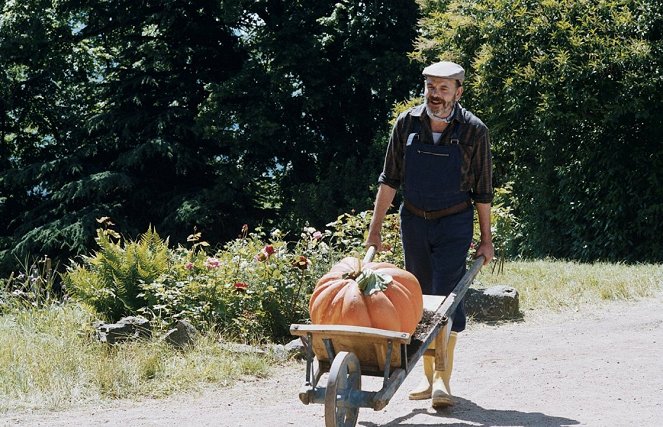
320	305
383	313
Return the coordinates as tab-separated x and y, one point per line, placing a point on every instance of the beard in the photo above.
439	108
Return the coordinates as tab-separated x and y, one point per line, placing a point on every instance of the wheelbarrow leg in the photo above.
344	377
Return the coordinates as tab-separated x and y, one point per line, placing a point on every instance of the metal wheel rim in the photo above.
344	377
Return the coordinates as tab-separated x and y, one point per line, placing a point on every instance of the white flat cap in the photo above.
445	69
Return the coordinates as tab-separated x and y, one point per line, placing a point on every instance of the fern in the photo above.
111	280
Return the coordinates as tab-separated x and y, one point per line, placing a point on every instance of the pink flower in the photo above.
317	235
212	263
241	286
188	265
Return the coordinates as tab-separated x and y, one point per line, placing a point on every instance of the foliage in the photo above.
191	113
569	90
109	280
250	289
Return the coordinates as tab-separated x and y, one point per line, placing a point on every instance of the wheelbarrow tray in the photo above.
370	345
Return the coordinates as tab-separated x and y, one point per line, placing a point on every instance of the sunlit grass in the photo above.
49	360
556	285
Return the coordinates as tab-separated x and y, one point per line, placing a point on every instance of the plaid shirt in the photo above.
476	169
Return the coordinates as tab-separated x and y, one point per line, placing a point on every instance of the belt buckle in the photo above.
426	215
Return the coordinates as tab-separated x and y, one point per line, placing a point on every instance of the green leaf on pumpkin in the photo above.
371	282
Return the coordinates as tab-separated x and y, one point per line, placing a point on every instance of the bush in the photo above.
251	289
568	91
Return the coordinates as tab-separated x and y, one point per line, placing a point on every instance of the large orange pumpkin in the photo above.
376	295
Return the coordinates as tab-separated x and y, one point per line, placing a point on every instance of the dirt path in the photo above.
598	366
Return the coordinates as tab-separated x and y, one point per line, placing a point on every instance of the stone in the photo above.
184	334
278	352
296	349
499	302
127	328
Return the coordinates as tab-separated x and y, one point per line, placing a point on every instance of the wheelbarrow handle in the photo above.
370	253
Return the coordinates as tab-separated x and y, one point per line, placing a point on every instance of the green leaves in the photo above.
371	281
186	113
566	89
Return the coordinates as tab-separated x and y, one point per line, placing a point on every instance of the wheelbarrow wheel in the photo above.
344	377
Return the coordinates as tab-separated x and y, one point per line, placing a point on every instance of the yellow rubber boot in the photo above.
425	387
441	393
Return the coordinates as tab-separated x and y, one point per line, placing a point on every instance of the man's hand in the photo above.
487	250
374	239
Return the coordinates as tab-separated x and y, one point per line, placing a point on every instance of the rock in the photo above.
499	302
127	328
296	349
183	335
278	352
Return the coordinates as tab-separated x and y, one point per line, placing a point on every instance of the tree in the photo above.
182	114
43	101
315	96
569	90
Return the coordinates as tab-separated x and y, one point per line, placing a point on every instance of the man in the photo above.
440	154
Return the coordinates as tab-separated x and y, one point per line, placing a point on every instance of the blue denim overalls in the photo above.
435	250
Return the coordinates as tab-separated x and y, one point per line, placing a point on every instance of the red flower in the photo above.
269	250
241	286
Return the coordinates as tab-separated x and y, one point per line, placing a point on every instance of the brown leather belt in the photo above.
437	214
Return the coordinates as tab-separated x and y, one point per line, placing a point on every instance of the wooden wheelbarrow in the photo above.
347	353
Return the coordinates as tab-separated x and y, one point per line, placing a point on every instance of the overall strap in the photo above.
416	129
455	136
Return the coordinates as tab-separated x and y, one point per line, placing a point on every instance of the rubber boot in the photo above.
441	395
425	387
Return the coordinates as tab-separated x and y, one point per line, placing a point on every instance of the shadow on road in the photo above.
467	413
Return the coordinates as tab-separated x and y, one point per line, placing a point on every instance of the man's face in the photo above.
441	94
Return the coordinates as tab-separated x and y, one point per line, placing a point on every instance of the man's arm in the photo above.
383	201
486	247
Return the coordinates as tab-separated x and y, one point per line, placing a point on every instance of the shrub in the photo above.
250	289
110	279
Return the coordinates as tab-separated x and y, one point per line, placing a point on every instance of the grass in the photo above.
557	285
48	360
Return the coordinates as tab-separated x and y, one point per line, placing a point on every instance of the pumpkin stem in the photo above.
356	272
370	281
